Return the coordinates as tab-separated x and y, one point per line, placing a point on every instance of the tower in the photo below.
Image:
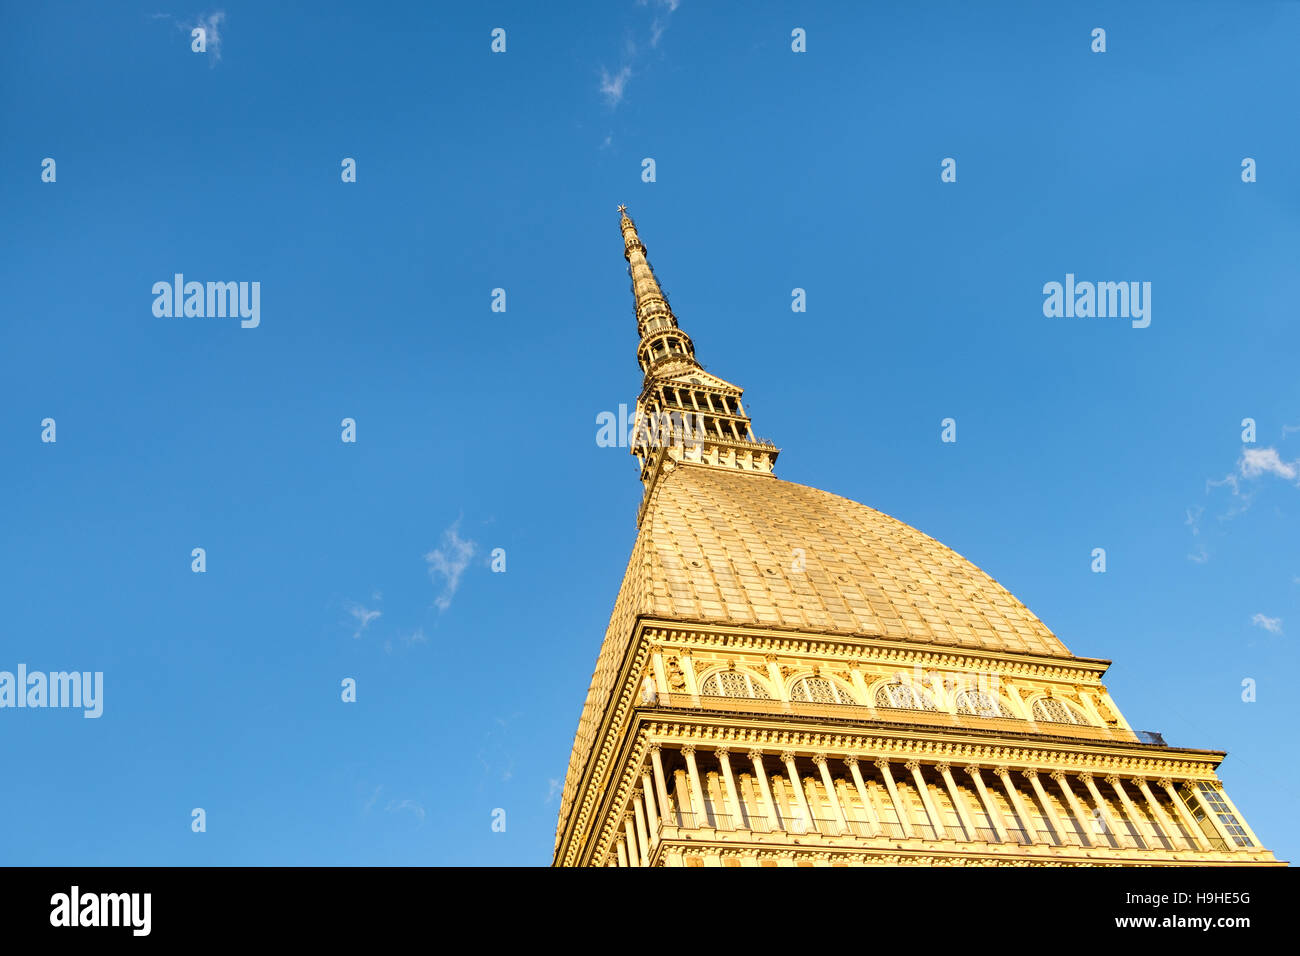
790	678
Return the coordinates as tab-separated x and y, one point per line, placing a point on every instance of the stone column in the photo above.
859	685
1132	813
729	789
647	789
661	675
868	807
787	758
940	831
1193	828
1102	809
622	851
994	814
1064	783
958	802
1157	811
904	819
1045	802
831	795
774	821
777	681
688	672
661	787
642	836
1018	804
632	858
696	788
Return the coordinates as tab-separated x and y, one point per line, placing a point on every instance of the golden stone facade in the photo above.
790	678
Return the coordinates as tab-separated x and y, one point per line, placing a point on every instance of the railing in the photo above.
797	825
890	715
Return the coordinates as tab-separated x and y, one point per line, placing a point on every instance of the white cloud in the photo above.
1266	461
448	562
363	617
612	86
1271	624
552	789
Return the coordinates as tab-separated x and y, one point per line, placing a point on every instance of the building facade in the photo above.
790	678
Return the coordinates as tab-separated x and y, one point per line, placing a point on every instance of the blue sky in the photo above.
476	429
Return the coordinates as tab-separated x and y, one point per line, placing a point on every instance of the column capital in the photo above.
1001	771
1113	780
1165	782
943	767
1085	776
819	759
1139	782
973	769
913	765
756	756
722	752
1058	776
882	763
850	760
1030	774
787	757
655	748
689	750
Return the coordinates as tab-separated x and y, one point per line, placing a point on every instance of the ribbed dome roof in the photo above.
725	548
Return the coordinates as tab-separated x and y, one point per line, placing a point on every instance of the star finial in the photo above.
622	208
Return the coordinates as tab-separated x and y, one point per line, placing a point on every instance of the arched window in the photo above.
733	684
1052	711
980	704
819	690
905	696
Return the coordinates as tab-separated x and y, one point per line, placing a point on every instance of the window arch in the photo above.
1053	711
734	684
819	690
905	696
980	704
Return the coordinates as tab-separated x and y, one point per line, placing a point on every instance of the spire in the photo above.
661	339
684	414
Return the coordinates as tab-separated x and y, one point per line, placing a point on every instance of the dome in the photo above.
737	549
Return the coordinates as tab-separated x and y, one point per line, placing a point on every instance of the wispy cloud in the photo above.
1271	624
211	24
613	83
552	789
1288	429
663	13
362	617
448	562
1194	522
371	802
1266	461
395	806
